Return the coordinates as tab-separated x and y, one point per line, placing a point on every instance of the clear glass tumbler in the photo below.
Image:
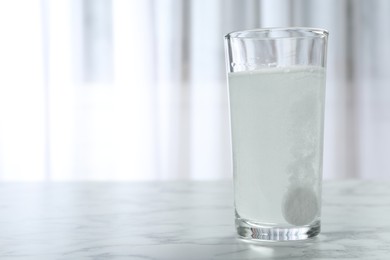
276	84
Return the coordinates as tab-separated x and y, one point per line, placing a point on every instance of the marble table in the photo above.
177	220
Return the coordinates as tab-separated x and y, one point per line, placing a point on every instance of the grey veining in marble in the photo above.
177	220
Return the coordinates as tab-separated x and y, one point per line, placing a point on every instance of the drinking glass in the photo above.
276	84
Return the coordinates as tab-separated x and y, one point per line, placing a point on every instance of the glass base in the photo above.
257	232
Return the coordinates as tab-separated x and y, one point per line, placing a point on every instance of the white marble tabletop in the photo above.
177	220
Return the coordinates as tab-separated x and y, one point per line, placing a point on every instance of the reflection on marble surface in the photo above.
177	220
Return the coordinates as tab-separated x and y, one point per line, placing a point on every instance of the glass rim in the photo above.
262	33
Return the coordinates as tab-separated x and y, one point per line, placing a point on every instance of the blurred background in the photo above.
136	90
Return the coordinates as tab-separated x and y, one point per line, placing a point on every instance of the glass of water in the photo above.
276	84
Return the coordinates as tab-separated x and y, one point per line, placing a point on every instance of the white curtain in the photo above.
135	90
